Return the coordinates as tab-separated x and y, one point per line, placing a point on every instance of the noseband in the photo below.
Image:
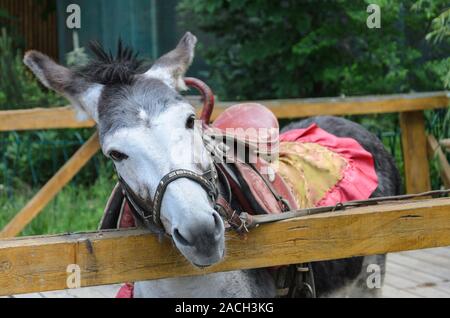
149	211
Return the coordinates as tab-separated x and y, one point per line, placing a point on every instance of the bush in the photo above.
18	87
29	159
291	48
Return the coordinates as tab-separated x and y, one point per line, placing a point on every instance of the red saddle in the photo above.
260	189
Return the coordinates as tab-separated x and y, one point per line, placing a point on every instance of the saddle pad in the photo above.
322	169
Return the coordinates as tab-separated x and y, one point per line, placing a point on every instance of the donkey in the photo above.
147	128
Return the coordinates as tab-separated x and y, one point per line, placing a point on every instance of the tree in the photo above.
292	48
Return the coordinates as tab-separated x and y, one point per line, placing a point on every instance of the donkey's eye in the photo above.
117	156
190	122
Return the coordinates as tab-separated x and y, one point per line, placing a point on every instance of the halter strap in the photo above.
149	211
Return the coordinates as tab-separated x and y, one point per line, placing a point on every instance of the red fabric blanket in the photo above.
359	178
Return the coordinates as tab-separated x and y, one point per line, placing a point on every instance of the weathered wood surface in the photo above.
41	118
64	117
295	108
39	263
415	155
418	274
434	149
445	143
51	188
411	274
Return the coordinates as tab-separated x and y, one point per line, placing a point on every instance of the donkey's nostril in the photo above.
217	223
180	238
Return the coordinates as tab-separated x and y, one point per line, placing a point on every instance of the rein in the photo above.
252	221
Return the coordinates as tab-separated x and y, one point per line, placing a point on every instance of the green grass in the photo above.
74	209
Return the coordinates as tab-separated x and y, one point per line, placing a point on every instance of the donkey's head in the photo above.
147	128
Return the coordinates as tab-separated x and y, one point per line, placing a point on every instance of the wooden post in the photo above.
414	144
51	188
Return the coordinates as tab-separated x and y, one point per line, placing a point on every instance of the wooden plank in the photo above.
30	295
41	118
426	257
295	108
434	150
389	291
56	294
52	187
414	264
413	278
106	291
415	156
445	143
64	117
442	252
39	263
417	282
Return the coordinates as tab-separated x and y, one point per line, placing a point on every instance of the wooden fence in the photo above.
39	263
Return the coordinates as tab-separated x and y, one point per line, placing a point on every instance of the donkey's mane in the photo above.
107	69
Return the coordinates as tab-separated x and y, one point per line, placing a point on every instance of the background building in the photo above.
151	27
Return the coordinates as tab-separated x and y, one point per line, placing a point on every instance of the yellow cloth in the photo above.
310	170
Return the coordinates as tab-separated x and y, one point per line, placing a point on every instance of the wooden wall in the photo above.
35	21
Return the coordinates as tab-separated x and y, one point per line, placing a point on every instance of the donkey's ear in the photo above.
82	94
172	67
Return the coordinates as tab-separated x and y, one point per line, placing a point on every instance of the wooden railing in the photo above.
34	264
39	263
64	117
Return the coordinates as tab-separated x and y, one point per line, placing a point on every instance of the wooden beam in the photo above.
445	143
39	263
414	144
64	117
51	188
339	106
41	118
434	149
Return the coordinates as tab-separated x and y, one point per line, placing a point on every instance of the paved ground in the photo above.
413	274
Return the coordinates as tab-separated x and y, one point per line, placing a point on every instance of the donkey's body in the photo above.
337	278
146	127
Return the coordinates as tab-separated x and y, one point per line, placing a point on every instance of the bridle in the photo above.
149	211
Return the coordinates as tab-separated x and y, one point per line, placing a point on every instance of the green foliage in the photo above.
439	35
29	159
74	209
18	87
272	49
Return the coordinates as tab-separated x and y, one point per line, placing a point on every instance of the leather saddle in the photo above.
256	185
254	181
